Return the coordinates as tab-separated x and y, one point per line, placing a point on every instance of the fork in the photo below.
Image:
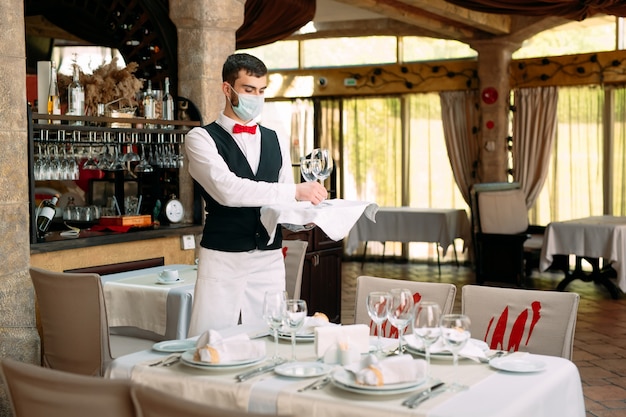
495	355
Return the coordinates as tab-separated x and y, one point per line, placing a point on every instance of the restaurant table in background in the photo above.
141	306
592	238
555	390
409	224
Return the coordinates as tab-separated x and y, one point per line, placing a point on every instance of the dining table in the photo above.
140	304
552	387
601	240
410	224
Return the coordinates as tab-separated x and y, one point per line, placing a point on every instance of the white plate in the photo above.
518	364
176	281
411	348
187	359
344	379
303	369
299	337
173	346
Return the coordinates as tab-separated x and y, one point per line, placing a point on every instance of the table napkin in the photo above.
473	349
391	370
310	323
212	347
335	217
354	335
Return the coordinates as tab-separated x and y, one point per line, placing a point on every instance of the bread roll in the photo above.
321	316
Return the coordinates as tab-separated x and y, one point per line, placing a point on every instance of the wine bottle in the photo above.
76	97
149	108
54	105
47	210
168	104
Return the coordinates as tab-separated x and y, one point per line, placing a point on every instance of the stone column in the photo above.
494	58
206	36
18	334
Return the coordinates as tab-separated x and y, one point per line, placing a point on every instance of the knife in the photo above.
258	371
416	399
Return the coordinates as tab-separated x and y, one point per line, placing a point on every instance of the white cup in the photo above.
169	275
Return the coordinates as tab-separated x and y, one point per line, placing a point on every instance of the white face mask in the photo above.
250	106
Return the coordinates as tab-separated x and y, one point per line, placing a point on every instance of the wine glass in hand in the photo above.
426	328
455	334
400	312
309	167
326	163
378	303
293	319
273	308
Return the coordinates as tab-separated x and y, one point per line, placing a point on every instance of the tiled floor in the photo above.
600	338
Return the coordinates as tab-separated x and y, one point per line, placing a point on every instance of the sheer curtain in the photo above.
619	152
534	129
573	186
431	179
372	151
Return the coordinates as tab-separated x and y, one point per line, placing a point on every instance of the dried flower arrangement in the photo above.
107	84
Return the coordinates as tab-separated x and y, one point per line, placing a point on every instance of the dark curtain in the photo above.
569	9
269	21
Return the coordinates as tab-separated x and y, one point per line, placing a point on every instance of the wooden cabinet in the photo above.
321	276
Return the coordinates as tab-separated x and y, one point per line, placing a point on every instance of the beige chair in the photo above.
441	293
512	319
294	262
154	403
73	323
34	391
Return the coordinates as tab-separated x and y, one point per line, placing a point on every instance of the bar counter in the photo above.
87	238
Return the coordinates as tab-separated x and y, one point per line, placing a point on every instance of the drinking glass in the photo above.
294	314
326	163
455	334
309	167
425	326
273	307
400	312
378	303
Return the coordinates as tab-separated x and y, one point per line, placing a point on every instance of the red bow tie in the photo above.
244	129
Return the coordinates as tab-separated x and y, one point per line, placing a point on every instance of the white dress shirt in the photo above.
211	171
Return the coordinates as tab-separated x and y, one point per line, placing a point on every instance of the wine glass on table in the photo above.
400	312
273	308
455	334
293	319
378	303
426	328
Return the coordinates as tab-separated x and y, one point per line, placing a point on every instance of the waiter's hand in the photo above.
311	191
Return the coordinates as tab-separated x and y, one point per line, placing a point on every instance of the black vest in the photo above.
239	229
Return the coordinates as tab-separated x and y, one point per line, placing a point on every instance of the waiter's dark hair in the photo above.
237	62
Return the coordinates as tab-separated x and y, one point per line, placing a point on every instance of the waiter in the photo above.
240	167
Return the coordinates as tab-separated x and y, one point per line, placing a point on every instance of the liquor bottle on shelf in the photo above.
168	104
45	214
54	105
76	97
149	108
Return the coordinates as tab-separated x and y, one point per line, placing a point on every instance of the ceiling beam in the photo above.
496	24
444	26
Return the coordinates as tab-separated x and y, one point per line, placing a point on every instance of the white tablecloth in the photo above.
335	217
408	224
595	237
556	391
137	305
